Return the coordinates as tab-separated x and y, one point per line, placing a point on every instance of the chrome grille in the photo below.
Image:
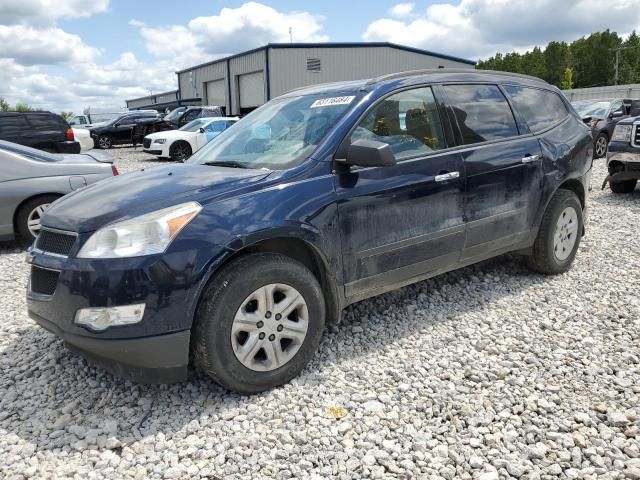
635	136
43	281
55	242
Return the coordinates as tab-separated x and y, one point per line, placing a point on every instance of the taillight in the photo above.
70	136
114	170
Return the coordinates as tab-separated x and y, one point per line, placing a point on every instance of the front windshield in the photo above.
174	114
592	109
194	125
278	135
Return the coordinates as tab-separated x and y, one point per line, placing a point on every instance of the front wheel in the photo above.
180	151
623	186
259	322
600	146
559	235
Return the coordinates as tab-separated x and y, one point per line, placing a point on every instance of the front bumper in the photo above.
623	166
157	359
153	152
156	349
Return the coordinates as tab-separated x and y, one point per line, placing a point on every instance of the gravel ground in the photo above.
485	373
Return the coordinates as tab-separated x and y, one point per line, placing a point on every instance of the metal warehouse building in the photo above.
241	82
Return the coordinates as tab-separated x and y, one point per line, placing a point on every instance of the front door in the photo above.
503	167
398	223
122	133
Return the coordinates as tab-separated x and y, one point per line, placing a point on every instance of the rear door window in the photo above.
408	121
482	112
12	126
191	115
541	108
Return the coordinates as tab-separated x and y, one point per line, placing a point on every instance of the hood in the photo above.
136	193
629	120
171	134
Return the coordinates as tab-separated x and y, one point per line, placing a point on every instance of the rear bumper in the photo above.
68	147
157	359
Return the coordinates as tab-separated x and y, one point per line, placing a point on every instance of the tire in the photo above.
600	145
104	142
552	255
623	186
180	151
217	335
30	211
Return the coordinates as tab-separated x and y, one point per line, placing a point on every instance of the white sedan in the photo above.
182	143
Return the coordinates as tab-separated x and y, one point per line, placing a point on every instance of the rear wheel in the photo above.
105	142
623	186
180	151
559	235
29	215
259	322
600	146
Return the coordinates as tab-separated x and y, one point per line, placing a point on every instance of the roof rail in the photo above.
391	76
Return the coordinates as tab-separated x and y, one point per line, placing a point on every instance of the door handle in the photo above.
530	158
447	176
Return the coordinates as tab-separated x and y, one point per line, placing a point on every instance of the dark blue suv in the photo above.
236	261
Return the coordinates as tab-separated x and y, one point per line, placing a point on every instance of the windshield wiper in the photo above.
229	164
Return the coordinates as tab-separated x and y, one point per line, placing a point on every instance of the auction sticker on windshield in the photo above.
325	102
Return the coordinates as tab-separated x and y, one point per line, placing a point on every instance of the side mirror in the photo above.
369	153
201	129
616	114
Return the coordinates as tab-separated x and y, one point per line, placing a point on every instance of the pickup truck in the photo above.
623	157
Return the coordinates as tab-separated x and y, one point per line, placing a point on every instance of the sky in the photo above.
66	55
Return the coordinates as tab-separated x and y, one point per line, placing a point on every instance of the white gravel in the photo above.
486	373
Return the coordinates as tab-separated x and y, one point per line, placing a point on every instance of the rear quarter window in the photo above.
47	122
482	112
541	109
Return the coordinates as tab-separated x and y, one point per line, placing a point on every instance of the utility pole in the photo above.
617	50
290	35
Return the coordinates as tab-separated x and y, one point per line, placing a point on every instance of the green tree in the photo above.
567	79
4	105
23	107
66	115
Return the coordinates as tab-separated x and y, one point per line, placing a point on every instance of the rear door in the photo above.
502	161
400	222
14	128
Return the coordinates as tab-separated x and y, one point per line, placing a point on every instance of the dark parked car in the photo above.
602	116
623	158
41	130
318	199
119	131
31	179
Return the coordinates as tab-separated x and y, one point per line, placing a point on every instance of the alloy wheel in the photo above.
566	234
601	146
269	327
33	220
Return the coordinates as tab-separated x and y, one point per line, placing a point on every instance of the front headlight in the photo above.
160	140
622	133
144	235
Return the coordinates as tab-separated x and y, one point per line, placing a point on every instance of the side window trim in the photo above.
346	141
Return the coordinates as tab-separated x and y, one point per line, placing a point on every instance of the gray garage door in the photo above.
216	93
251	89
